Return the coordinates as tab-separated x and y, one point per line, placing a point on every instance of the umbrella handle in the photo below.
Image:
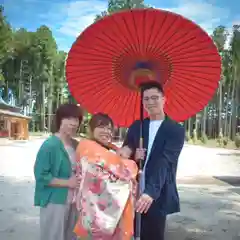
140	160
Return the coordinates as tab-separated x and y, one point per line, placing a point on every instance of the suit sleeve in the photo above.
42	167
163	165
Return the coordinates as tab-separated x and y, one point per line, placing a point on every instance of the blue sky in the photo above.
67	18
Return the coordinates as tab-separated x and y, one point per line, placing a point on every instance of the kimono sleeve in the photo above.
42	167
165	163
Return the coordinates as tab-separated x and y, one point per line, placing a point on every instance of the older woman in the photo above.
105	196
55	178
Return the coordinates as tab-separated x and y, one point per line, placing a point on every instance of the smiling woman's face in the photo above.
101	128
103	134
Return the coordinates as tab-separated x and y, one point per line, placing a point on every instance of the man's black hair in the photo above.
150	85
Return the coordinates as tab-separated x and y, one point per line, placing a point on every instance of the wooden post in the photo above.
9	127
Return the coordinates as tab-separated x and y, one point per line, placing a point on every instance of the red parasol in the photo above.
111	56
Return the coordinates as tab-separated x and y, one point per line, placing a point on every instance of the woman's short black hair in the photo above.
100	120
65	111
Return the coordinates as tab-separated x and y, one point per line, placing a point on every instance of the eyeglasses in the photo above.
154	98
106	128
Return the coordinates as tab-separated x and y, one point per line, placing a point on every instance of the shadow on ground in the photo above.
229	154
206	213
233	181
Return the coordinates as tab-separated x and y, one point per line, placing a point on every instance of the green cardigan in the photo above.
52	162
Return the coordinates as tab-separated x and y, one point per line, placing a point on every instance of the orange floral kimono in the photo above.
105	198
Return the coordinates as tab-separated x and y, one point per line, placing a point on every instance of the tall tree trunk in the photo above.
58	98
204	121
189	127
20	83
43	110
232	104
226	112
30	95
50	100
235	112
220	110
61	92
50	111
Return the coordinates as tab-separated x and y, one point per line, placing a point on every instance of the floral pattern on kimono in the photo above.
105	195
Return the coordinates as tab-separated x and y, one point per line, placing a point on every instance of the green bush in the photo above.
220	140
195	138
237	140
187	136
225	141
204	138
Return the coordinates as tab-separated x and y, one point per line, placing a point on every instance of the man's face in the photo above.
153	101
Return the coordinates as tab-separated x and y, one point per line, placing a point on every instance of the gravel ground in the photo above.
210	207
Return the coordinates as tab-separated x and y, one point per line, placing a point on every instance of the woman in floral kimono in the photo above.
105	198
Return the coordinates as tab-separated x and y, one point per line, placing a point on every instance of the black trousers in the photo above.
152	227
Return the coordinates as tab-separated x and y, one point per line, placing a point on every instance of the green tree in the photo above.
5	37
59	77
120	5
220	37
235	96
45	52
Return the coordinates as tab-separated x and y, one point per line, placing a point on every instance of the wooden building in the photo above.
13	124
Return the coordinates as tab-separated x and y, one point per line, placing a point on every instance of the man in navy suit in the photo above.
162	143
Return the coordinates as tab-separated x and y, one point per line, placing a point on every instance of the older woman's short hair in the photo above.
100	120
65	111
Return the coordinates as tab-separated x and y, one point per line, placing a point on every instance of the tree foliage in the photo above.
32	66
121	5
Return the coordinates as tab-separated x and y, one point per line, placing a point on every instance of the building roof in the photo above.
4	105
13	114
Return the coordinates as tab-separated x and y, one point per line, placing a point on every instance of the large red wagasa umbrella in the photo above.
113	56
110	58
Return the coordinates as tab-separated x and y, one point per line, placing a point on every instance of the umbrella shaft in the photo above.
138	215
138	226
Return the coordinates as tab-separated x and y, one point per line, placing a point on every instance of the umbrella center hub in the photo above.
142	72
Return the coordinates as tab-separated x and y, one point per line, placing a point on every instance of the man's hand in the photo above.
140	154
144	203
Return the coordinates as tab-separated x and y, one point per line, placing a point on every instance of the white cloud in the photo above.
205	14
69	19
236	22
79	15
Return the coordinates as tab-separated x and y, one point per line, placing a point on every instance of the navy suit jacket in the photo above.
161	168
